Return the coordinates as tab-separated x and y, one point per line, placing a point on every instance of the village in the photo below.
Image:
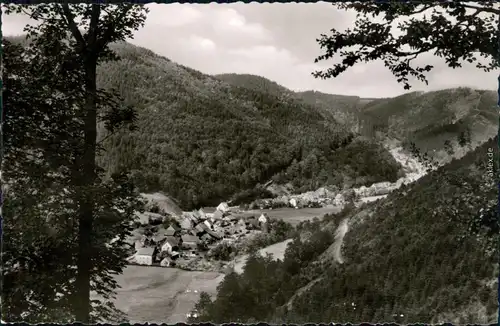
190	236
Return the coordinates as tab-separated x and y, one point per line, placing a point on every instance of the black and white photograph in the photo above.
284	163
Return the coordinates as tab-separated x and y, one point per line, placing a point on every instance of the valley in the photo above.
154	294
216	176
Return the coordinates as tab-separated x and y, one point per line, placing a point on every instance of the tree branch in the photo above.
482	9
426	7
94	21
70	21
106	36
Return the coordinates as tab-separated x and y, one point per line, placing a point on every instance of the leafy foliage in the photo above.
67	222
456	31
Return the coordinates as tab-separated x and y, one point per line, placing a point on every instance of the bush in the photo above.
154	221
223	251
155	208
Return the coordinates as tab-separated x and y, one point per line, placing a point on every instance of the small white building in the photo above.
263	218
171	244
293	202
223	207
208	224
144	256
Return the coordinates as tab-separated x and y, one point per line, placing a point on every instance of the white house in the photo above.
293	202
144	256
263	218
208	224
223	207
171	244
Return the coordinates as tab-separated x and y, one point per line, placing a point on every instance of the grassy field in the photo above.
162	295
277	250
291	215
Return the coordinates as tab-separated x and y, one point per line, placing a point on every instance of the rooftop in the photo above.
190	238
209	209
147	251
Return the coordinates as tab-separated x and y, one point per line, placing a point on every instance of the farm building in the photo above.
144	256
190	241
207	226
214	234
207	212
138	244
199	229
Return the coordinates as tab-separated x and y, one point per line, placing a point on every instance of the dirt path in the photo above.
339	240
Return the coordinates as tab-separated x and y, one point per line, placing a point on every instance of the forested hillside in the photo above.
202	140
256	83
428	254
430	119
344	109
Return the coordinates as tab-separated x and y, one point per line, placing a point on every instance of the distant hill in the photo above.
257	83
344	109
429	119
201	140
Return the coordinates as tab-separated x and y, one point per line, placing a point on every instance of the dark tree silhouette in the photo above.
69	43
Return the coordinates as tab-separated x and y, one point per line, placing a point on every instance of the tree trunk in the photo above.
86	204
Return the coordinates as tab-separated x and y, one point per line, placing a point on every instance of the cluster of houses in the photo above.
195	233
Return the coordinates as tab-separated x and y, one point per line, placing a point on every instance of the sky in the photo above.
277	41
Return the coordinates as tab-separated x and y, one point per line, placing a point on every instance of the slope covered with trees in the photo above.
201	140
414	257
427	119
432	118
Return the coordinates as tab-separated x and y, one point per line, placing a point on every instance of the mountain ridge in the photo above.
202	140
